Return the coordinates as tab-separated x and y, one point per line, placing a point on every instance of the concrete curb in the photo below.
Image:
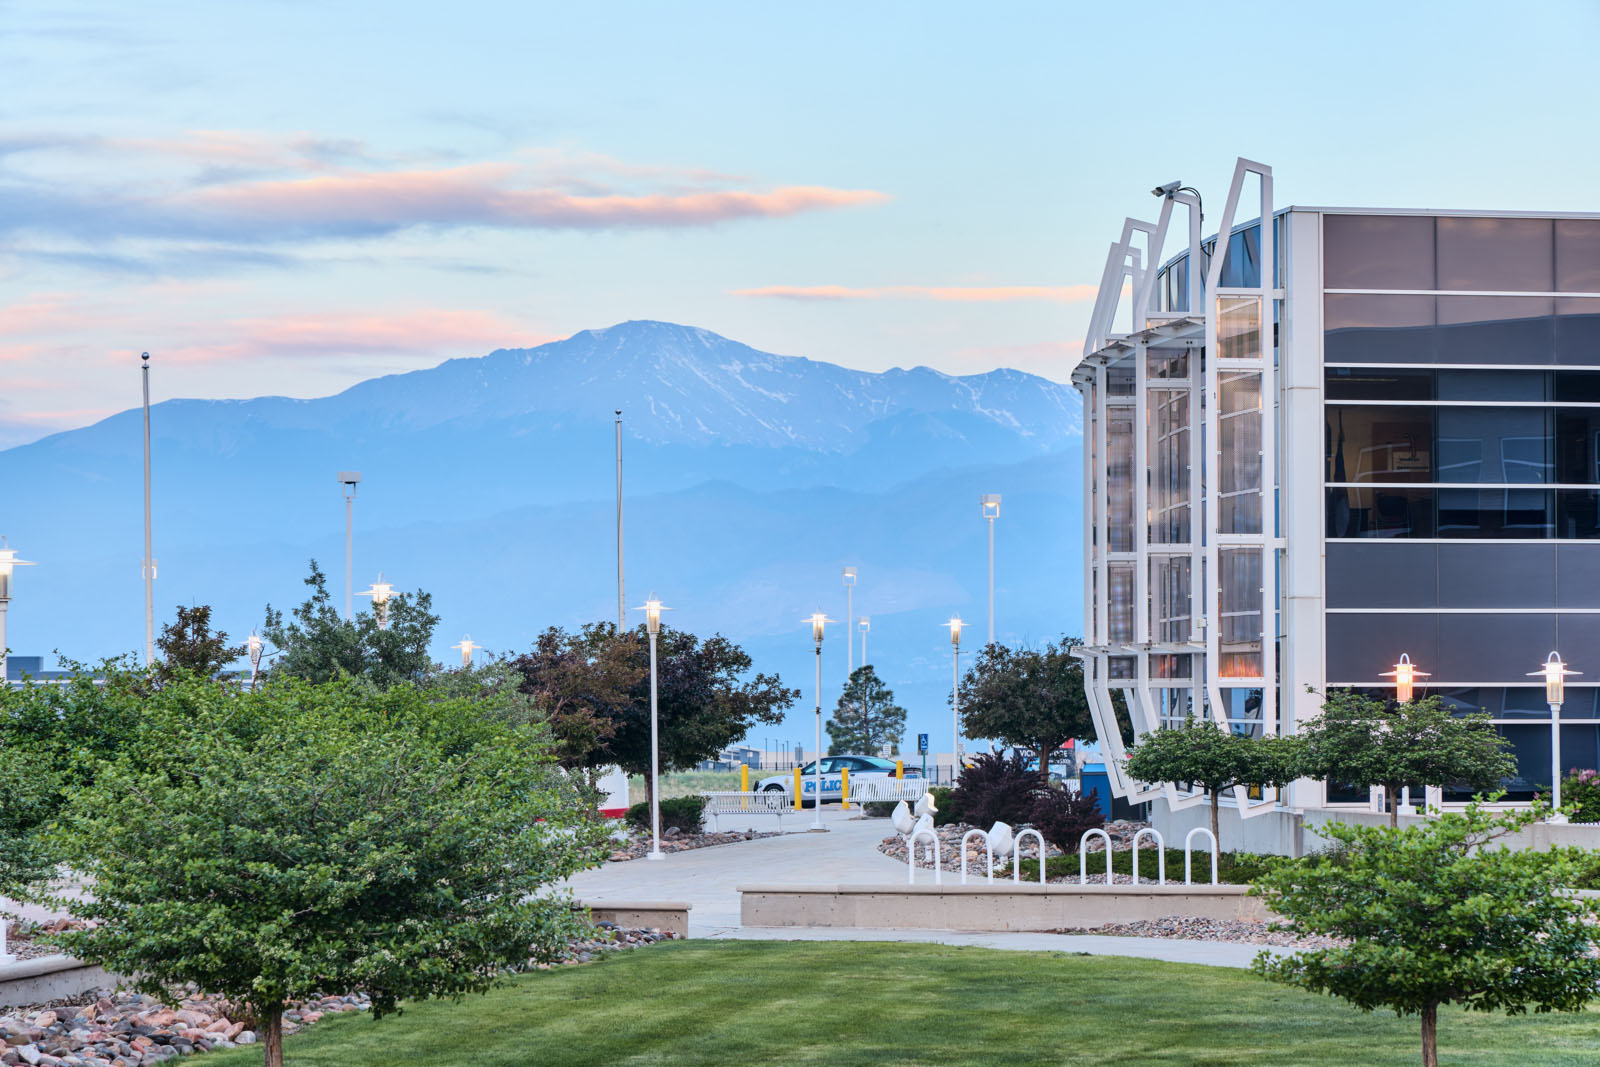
49	978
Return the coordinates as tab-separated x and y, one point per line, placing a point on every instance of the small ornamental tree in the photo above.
1366	741
318	644
1433	915
311	838
1028	698
866	719
1215	759
189	644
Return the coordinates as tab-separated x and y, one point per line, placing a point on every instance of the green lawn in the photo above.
745	1004
688	783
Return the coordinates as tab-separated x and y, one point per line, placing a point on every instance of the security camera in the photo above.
1167	189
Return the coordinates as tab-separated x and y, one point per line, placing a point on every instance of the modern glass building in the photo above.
1337	436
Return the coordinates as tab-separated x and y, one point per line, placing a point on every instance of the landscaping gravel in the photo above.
122	1029
635	844
1236	931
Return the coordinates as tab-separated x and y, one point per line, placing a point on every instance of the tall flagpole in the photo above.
149	558
622	617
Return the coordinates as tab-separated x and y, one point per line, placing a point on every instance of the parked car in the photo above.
860	768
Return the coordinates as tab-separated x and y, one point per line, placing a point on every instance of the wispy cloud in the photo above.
424	331
976	294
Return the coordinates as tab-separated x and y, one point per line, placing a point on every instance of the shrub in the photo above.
996	788
948	804
685	813
878	809
1581	790
1064	817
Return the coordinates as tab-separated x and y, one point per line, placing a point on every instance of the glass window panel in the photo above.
1377	251
1239	414
1365	328
1382	511
1578	255
1241	262
1239	636
1119	478
1169	598
1172	665
1496	513
1239	327
1168	363
1580	747
1578	331
1379	444
1520	702
1495	445
1393	574
1121	667
1494	385
1169	466
1579	568
1476	253
1379	383
1120	378
1577	445
1577	386
1242	708
1119	604
1530	746
1497	576
1483	647
1360	647
1496	329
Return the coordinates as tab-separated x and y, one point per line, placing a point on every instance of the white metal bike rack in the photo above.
1083	856
988	852
1187	838
911	857
1161	855
1016	857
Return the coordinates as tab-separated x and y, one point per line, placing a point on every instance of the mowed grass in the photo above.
686	783
746	1004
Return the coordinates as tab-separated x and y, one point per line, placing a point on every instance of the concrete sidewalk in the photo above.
708	879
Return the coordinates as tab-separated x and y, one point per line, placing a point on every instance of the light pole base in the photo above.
655	855
1557	818
817	830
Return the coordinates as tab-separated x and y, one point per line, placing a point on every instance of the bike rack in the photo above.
1083	856
1188	837
911	857
1161	855
988	852
1016	856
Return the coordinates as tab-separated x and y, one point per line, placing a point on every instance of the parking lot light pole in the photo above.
8	560
991	511
1555	674
818	621
954	626
652	617
253	646
380	591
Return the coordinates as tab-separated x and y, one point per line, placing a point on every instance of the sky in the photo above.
287	198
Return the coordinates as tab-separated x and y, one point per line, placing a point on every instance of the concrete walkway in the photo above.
708	878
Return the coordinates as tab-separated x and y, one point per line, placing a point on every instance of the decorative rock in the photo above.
246	1037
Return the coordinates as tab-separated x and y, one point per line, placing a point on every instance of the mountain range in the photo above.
750	480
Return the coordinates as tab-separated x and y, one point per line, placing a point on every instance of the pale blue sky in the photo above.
289	197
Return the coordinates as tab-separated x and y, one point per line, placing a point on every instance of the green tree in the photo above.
1366	741
866	718
189	644
315	837
1204	754
318	644
1032	698
1433	915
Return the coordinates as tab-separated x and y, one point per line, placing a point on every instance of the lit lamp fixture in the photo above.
818	621
1405	675
954	626
8	560
253	647
466	646
1555	674
380	592
652	619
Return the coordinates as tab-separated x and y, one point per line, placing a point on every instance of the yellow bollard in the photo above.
844	802
744	786
797	800
900	768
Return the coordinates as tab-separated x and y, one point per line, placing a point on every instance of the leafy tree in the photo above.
1366	741
866	719
1433	916
189	644
319	644
1215	759
313	837
1032	698
595	687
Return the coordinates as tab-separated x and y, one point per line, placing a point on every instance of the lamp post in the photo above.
1405	675
866	628
1555	674
991	511
380	591
149	558
849	613
954	626
467	646
349	479
8	560
652	617
252	646
818	620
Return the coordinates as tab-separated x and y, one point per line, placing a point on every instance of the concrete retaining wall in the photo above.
50	978
668	916
982	907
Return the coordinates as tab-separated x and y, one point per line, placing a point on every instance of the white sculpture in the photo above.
925	805
902	820
924	825
1000	840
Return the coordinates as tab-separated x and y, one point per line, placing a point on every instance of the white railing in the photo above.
886	790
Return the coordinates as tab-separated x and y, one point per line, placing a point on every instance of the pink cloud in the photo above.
426	331
979	294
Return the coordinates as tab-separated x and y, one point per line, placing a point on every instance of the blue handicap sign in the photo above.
922	744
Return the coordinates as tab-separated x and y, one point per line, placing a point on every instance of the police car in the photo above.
833	768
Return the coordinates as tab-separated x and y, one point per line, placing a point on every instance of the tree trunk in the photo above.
1216	803
1392	795
1430	1034
649	786
272	1036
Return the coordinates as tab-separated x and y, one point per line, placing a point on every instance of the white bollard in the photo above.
911	857
988	852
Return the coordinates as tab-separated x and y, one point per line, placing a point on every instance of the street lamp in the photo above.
1405	675
866	628
1555	674
380	591
467	646
849	613
349	479
652	617
8	560
253	647
818	620
954	625
991	511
